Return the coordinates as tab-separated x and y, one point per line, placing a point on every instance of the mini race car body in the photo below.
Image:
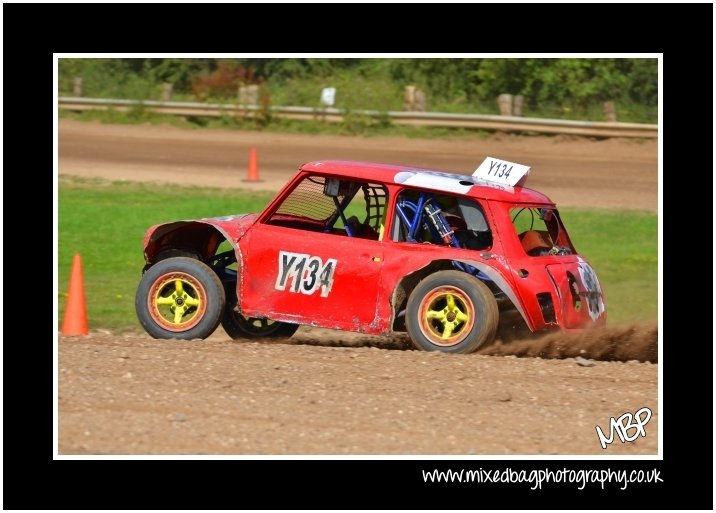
374	248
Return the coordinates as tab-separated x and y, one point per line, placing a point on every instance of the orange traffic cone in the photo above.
75	321
253	167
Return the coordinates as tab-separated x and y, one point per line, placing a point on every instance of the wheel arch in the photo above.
200	237
405	286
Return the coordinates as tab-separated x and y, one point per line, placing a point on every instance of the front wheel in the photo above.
181	298
237	326
452	312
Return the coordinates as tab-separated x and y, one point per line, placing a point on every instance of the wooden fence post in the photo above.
167	90
517	105
610	112
419	105
242	95
504	102
252	94
248	95
409	98
77	87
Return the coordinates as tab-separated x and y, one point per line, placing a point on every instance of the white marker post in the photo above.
328	96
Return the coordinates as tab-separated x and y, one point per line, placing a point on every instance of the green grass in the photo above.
133	116
354	92
352	125
106	221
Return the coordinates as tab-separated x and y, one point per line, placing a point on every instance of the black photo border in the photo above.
34	32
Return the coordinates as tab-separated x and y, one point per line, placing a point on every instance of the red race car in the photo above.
375	248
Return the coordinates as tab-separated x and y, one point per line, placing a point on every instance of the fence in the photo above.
331	115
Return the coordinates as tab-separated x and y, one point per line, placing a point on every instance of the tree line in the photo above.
565	81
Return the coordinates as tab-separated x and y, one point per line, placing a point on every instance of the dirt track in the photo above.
135	395
325	392
572	172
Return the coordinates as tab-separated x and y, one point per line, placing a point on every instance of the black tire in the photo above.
452	312
239	327
180	297
173	253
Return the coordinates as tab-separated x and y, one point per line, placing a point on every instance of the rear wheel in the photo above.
180	297
451	311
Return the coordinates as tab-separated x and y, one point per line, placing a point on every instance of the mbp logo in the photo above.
623	424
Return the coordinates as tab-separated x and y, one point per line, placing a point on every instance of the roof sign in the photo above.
447	182
502	172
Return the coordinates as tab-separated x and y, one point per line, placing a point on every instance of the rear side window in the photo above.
540	231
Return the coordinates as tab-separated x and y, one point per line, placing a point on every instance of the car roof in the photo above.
429	179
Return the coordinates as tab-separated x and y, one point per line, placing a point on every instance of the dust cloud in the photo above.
618	343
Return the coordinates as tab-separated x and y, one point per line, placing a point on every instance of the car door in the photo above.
307	277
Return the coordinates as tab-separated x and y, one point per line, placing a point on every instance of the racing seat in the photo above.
536	242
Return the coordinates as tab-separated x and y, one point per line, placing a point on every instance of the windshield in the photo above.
336	206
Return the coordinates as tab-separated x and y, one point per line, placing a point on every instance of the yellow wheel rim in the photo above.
177	301
447	316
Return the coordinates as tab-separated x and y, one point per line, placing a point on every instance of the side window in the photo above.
441	219
332	205
540	231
